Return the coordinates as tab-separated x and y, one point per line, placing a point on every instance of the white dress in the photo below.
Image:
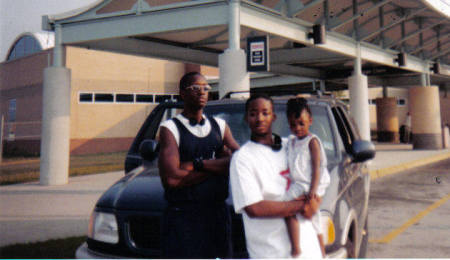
300	168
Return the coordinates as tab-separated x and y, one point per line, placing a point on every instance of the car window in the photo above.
234	116
343	128
321	127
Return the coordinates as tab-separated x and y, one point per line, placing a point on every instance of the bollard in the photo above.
445	137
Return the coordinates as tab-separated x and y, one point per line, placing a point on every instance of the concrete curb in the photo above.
378	173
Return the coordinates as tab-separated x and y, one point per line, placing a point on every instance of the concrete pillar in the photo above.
233	74
55	137
387	120
425	117
233	62
359	99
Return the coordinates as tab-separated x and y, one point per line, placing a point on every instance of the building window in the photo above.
401	102
130	98
12	110
86	98
162	98
144	98
372	102
176	97
26	45
104	97
124	98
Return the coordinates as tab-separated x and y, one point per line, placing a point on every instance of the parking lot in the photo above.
408	213
31	212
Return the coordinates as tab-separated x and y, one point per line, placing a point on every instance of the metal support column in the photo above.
381	20
55	138
323	88
234	77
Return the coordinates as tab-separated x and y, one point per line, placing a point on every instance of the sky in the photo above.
19	16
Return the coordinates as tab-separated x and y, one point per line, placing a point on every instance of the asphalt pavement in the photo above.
30	212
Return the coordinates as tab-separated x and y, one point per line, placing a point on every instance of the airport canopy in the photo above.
197	32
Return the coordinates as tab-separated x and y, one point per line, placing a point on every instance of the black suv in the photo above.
126	220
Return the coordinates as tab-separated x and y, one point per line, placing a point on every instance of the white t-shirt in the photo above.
258	173
197	130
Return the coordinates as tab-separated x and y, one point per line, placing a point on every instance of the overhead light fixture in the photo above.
401	59
436	68
318	34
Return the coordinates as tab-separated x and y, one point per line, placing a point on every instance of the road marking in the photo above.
394	233
378	173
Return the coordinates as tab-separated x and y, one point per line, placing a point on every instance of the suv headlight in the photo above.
103	227
328	231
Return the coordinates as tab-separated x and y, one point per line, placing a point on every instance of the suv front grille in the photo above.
144	232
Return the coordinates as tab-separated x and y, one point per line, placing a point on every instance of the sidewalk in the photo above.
30	212
393	158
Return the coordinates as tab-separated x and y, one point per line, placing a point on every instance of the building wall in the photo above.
95	126
21	80
111	126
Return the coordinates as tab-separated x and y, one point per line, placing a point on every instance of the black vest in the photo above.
215	188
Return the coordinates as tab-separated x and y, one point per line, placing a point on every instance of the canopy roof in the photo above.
197	32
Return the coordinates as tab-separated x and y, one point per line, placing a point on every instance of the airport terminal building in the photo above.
113	89
111	95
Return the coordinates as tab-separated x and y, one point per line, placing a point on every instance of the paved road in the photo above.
30	212
409	214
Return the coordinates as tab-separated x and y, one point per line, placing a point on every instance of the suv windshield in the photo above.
233	114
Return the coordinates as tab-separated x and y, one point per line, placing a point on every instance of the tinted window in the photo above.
124	98
162	98
100	97
142	98
86	97
344	129
26	45
234	116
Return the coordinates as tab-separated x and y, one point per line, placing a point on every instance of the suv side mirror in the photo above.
363	150
148	149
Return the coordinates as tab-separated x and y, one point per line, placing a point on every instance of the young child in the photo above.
307	166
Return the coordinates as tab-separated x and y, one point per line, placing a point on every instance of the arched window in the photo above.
24	46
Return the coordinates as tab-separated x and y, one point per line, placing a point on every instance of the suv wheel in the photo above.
350	245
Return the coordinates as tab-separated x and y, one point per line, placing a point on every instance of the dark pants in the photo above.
194	231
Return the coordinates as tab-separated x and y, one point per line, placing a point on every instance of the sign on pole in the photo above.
257	53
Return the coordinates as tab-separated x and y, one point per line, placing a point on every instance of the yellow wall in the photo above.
104	72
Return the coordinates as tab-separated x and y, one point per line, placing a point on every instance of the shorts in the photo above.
197	232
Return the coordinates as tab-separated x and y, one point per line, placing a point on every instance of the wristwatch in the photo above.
198	164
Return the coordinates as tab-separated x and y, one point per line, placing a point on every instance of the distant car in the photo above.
126	220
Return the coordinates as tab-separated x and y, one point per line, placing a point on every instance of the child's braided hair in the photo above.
296	106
